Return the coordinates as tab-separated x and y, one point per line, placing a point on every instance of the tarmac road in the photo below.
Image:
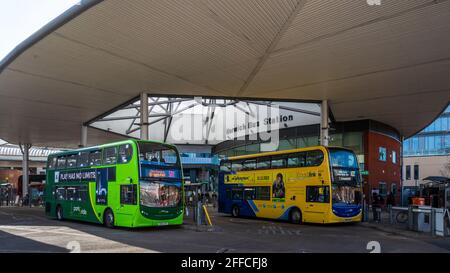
28	230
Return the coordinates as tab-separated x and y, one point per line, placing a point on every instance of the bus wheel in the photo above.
235	211
108	218
295	216
59	213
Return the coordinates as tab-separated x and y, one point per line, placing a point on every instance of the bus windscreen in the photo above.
345	175
158	161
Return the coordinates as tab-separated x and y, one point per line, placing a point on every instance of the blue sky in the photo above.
21	18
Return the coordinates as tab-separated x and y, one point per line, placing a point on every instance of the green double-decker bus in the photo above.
130	183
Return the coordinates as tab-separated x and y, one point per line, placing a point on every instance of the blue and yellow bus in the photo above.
316	185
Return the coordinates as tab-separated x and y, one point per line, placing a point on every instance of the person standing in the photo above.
376	207
7	197
390	201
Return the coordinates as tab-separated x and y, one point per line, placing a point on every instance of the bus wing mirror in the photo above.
129	180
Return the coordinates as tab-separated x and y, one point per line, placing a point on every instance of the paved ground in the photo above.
28	230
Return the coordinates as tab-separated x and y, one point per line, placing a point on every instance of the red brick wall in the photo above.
381	171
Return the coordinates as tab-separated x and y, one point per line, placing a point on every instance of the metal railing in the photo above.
435	221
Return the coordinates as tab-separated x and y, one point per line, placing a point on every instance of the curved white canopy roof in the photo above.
389	62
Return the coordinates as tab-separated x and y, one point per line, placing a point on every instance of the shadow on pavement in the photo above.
11	243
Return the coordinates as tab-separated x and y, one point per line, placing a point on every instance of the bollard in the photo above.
391	218
433	222
410	218
199	213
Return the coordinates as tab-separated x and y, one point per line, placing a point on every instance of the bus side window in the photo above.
263	163
225	166
61	162
61	193
301	159
71	161
249	165
314	158
229	194
236	166
278	162
293	160
71	193
51	162
125	153
110	155
95	158
249	194
262	193
83	160
82	194
318	194
237	194
128	194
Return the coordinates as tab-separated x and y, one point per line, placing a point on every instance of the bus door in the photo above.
78	198
317	204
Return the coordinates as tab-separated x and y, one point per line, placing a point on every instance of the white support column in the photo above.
83	138
25	169
324	126
144	116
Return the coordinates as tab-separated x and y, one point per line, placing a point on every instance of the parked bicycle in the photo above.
402	217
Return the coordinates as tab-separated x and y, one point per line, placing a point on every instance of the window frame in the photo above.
134	193
81	157
73	156
105	157
225	164
408	172
263	159
416	172
282	157
95	152
327	198
128	157
52	162
316	164
246	162
57	162
380	158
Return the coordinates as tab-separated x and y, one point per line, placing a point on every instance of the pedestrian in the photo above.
26	199
7	198
390	201
376	207
214	199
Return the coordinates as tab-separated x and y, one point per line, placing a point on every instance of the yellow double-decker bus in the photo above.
316	185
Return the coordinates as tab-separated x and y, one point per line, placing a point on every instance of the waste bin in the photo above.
421	218
438	221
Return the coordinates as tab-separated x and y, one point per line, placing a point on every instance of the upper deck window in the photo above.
125	153
51	162
83	159
110	155
157	154
343	159
61	163
95	158
71	161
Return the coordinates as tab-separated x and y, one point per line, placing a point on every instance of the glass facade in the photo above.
351	140
433	140
284	144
